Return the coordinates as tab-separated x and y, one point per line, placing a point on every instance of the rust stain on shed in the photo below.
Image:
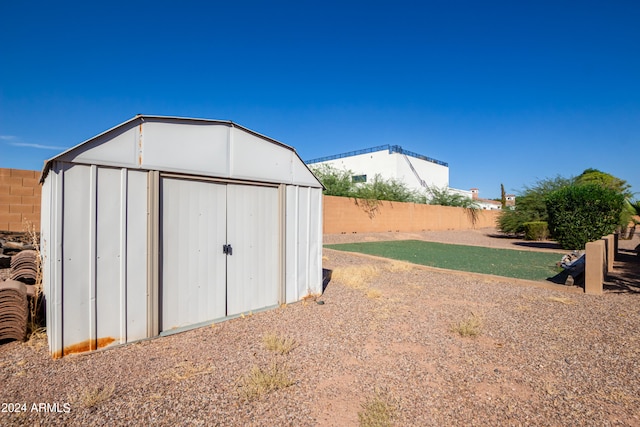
84	346
140	146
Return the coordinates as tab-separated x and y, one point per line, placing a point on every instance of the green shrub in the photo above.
512	221
336	182
582	213
530	205
379	188
536	230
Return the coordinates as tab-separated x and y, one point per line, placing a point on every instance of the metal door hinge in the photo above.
227	250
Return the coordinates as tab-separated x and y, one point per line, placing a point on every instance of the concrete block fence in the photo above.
347	215
20	194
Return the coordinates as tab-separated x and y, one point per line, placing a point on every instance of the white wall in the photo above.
393	166
464	193
488	206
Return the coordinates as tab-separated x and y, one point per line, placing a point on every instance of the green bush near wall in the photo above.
583	213
536	230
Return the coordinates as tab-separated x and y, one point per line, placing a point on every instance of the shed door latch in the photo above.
227	250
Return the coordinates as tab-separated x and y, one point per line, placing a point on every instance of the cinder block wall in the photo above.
20	194
344	215
19	199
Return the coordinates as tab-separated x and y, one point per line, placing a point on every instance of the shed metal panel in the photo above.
302	175
49	261
253	158
76	273
303	242
291	235
197	149
136	256
118	147
314	269
109	237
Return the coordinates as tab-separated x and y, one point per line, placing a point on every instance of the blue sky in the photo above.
504	91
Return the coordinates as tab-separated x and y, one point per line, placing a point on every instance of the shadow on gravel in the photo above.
502	236
326	278
540	245
564	278
528	244
625	277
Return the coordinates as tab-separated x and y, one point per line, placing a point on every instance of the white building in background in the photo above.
493	204
465	193
416	171
391	162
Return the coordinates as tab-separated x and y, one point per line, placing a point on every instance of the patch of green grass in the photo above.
501	262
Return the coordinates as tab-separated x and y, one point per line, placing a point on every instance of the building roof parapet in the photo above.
391	148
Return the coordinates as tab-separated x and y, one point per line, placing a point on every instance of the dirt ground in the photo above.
386	332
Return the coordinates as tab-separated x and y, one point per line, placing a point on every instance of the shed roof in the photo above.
205	147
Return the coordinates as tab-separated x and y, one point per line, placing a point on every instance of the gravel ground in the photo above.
543	357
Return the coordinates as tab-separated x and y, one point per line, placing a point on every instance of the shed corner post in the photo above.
55	261
153	253
282	243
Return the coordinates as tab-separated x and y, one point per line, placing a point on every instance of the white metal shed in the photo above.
162	223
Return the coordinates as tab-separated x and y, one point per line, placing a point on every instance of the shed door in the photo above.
199	281
193	231
252	232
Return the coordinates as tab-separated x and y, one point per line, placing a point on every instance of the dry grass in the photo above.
374	293
96	395
186	370
377	411
398	266
279	344
469	327
357	276
36	323
261	381
37	338
549	388
566	301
